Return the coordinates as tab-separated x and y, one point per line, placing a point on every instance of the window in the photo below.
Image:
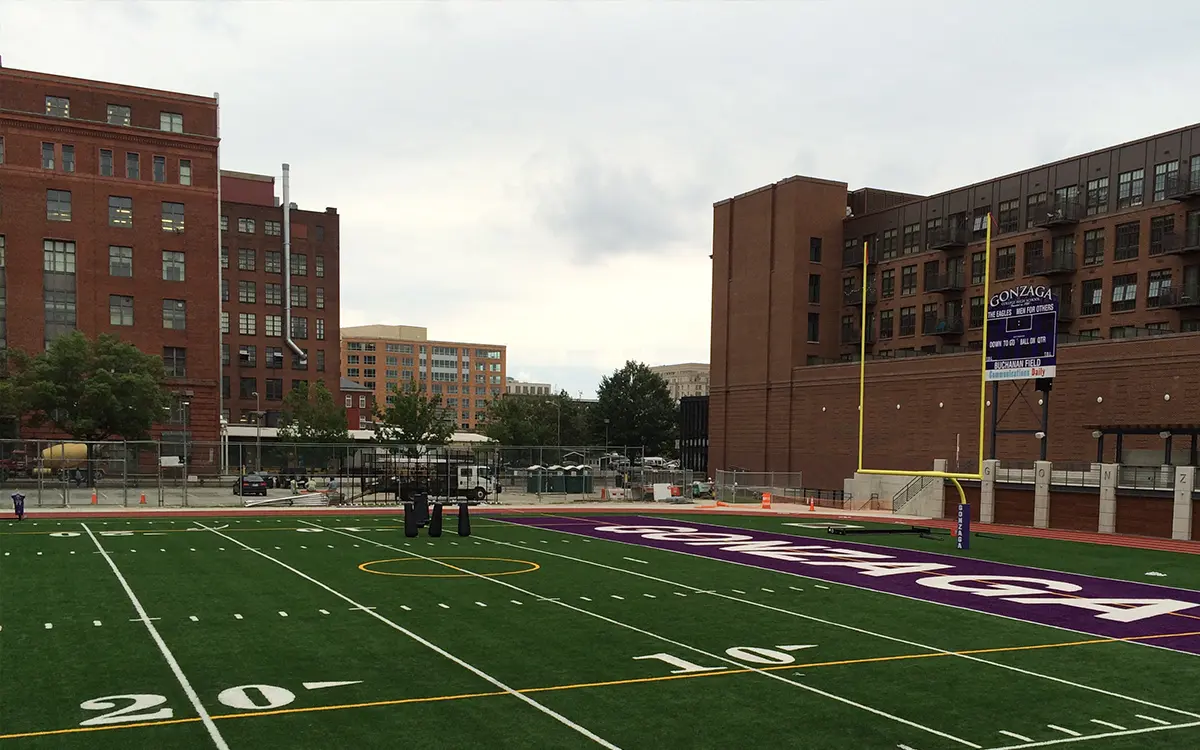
887	283
979	222
274	325
274	389
320	329
1064	250
353	372
224	223
248	355
1164	173
160	168
814	290
929	317
58	106
246	226
320	233
1157	282
246	259
979	267
119	115
47	156
59	311
224	290
68	158
1033	202
886	324
274	293
247	292
173	266
225	355
887	244
1160	226
299	264
814	255
814	328
185	174
1131	188
908	321
1092	297
272	228
120	211
224	322
299	328
321	296
120	310
1093	247
174	314
174	361
353	359
911	242
58	205
170	122
58	256
299	296
106	162
225	257
1006	262
247	324
1124	292
320	263
1010	219
977	312
1	149
931	274
247	387
133	166
274	261
172	217
120	261
1097	196
1128	239
908	280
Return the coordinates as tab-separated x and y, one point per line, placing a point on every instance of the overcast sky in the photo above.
542	174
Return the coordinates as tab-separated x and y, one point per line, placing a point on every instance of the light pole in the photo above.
258	432
185	405
606	436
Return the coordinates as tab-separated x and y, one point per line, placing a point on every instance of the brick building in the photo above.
1115	233
386	358
108	224
256	354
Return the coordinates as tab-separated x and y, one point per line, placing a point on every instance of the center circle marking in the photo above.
366	567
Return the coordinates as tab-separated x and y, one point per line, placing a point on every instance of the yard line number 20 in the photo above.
145	706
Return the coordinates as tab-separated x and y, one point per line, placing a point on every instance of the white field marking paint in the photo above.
282	613
1109	724
904	747
822	587
323	611
584	598
481	604
49	626
614	596
193	618
39	554
769	591
893	639
630	559
433	647
96	623
793	588
514	601
1015	736
213	733
650	596
695	649
362	608
237	616
737	591
444	606
1090	737
151	619
1151	718
406	608
1064	730
323	685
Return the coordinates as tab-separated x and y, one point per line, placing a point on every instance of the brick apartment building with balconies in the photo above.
1115	233
108	224
259	364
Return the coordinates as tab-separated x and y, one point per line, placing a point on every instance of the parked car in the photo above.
251	484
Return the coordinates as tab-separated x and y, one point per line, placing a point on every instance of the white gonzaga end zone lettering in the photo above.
1023	590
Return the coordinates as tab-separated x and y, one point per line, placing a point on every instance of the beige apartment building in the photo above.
516	387
389	358
687	379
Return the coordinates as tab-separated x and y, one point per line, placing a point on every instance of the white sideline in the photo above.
428	644
144	618
664	639
812	618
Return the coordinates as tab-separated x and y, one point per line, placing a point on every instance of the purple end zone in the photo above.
1156	615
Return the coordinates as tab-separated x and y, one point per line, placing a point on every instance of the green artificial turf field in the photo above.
338	631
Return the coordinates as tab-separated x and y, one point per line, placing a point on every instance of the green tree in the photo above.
12	400
518	419
91	389
311	415
638	406
413	420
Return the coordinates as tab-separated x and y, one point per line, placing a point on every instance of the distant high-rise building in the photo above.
687	379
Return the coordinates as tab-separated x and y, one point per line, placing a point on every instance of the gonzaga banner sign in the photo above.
1022	333
1098	606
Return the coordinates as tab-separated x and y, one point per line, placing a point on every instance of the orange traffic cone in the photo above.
766	501
93	496
142	500
812	505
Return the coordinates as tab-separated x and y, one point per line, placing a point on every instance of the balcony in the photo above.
1183	186
1181	244
854	298
1056	212
934	326
853	336
949	238
1187	296
854	258
1055	264
946	283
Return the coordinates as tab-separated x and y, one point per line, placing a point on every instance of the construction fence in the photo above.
783	486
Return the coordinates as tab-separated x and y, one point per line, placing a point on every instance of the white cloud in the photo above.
541	175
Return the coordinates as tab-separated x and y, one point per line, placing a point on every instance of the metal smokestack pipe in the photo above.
287	269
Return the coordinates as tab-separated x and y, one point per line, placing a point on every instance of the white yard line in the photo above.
205	718
1110	725
1015	736
1064	730
664	639
428	644
863	631
1090	737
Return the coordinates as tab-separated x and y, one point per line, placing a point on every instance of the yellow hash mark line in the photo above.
606	683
